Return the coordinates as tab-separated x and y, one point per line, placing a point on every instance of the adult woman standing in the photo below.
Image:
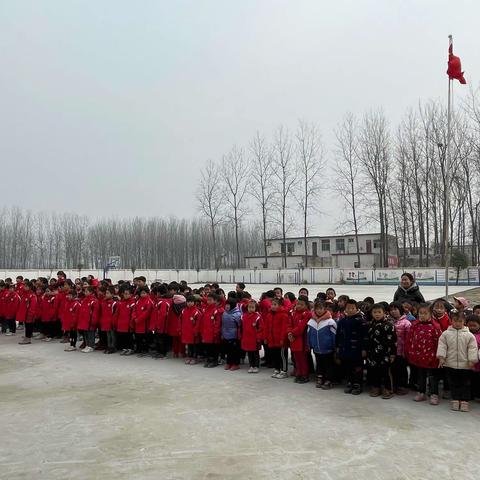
408	290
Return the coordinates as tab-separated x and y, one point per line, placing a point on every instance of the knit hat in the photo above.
178	299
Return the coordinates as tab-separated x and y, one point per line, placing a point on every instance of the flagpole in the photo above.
447	183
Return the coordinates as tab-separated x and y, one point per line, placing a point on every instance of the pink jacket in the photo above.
402	326
476	367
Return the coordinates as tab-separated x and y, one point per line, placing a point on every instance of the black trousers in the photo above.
325	364
279	357
475	382
232	349
125	341
254	359
460	383
380	376
211	351
431	375
72	336
162	342
9	324
267	358
28	329
353	370
191	350
141	345
3	322
400	372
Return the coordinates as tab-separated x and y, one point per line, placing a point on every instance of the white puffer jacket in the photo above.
458	348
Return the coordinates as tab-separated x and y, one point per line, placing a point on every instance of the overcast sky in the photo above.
111	107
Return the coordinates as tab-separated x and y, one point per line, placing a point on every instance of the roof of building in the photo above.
330	236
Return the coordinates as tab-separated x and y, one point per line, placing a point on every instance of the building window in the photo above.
377	244
340	244
325	245
351	240
290	247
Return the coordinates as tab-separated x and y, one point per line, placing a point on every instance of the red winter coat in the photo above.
297	326
12	303
3	294
211	324
107	312
252	331
88	313
190	322
122	319
264	306
71	309
422	342
443	321
141	314
27	310
173	322
60	299
161	307
47	308
275	325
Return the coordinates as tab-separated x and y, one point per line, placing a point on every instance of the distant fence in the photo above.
423	276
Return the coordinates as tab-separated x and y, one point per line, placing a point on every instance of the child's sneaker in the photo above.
227	367
375	392
282	375
455	405
87	350
250	370
464	407
25	341
234	367
9	334
387	394
326	386
69	348
401	391
357	389
319	381
434	400
419	397
187	361
348	388
40	337
446	395
275	373
255	370
48	339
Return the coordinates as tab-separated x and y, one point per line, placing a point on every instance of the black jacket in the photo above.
412	294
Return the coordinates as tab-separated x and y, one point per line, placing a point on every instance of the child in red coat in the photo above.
122	320
421	351
88	318
296	332
47	313
108	306
190	320
252	335
70	319
27	310
275	337
161	307
211	327
141	319
12	302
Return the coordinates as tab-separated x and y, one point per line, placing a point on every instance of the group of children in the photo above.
393	347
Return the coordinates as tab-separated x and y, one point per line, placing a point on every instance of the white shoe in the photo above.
255	370
250	370
70	348
275	373
9	334
48	339
282	375
40	337
87	350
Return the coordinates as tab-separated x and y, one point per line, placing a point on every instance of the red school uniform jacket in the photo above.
27	309
122	319
173	322
141	314
211	324
47	308
297	326
70	314
190	321
275	325
422	342
161	307
107	312
3	295
252	331
12	302
88	313
60	299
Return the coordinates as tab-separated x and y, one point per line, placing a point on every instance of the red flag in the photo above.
454	71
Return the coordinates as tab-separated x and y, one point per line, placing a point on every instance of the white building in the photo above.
328	251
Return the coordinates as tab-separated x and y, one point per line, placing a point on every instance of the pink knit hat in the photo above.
463	301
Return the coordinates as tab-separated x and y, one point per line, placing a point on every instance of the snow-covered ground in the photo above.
94	416
358	292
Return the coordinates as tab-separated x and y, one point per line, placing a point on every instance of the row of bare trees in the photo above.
49	241
269	181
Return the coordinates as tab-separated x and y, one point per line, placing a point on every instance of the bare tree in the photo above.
284	171
210	198
235	182
347	171
310	161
